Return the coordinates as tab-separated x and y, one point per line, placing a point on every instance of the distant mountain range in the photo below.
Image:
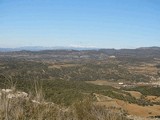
40	48
153	48
76	53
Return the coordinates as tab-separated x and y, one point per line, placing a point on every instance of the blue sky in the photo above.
87	23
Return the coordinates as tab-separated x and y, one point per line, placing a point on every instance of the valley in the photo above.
123	81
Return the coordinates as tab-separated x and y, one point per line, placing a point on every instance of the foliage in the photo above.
26	109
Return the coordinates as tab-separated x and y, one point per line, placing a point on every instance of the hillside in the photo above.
121	78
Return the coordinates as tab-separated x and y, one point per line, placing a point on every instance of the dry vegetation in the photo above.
13	107
79	85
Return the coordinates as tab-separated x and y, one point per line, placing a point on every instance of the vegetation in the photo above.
68	92
56	81
36	108
108	70
147	90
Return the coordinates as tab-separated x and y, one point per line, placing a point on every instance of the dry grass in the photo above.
35	108
26	109
135	94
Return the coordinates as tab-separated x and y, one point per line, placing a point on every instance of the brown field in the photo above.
132	109
135	94
145	68
153	98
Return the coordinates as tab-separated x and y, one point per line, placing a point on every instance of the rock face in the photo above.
10	94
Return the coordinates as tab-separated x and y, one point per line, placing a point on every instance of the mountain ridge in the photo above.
42	48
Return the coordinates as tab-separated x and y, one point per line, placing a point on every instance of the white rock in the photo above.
34	101
10	96
6	90
21	95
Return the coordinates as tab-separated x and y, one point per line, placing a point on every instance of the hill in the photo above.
66	78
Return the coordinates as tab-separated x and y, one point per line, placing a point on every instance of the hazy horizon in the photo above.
79	23
67	47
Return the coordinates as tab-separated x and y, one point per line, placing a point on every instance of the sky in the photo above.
80	23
